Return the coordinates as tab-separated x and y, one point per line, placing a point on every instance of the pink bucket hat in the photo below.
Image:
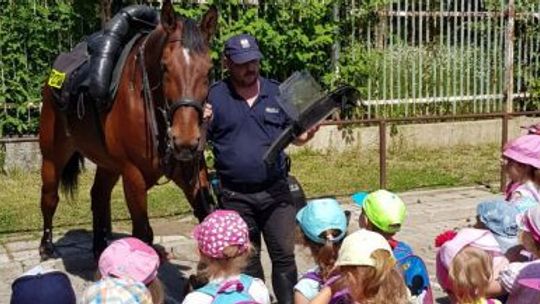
479	238
129	257
524	149
220	229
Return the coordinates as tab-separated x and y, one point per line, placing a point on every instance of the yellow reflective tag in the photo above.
56	79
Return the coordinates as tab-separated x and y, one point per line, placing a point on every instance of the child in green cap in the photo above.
384	212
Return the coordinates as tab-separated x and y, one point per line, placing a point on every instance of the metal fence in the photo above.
454	57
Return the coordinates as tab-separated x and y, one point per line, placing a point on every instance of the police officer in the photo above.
245	119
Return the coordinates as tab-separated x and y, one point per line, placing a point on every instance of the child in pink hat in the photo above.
224	248
521	160
132	259
512	276
467	261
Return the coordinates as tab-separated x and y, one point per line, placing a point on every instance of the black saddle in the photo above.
93	68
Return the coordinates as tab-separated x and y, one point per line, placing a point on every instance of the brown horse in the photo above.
154	127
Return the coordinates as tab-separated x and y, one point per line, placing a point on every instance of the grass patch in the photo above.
320	174
345	173
20	207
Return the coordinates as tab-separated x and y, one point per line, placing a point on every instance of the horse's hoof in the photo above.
47	251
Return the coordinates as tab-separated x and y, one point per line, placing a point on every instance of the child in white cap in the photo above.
322	226
367	272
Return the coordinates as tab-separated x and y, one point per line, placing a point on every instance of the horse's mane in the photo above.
192	37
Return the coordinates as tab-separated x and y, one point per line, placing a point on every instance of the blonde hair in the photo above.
156	290
381	283
470	272
234	262
325	255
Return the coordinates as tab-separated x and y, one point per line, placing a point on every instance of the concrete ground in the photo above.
430	212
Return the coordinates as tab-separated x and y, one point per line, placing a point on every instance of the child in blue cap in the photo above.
322	226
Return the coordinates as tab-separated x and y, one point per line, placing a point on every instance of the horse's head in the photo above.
186	62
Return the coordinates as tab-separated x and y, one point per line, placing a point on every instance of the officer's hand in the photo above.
306	136
207	112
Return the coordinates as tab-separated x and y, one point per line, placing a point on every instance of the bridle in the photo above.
158	136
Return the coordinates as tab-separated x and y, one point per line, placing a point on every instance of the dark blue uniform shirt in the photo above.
241	135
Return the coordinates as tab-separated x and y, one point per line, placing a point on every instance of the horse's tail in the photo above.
70	175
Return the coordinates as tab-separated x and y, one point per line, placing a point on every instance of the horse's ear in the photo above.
209	23
168	18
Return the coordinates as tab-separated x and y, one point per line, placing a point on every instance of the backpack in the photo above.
340	297
230	291
414	273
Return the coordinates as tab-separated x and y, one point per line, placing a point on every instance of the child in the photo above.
510	277
521	160
500	218
322	225
465	264
117	290
384	212
131	258
367	272
42	286
223	243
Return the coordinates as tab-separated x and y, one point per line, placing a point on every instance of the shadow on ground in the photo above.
75	250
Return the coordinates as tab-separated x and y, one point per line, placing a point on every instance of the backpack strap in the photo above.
313	275
246	281
210	289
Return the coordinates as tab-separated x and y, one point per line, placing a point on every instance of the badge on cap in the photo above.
245	43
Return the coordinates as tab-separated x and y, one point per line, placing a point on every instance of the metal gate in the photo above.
452	57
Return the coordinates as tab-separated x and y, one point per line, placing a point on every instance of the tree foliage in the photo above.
293	35
32	33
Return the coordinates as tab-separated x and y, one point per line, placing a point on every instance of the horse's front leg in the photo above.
104	182
135	192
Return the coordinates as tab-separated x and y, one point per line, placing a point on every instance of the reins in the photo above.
153	132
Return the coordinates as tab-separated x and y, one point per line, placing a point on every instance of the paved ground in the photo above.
430	212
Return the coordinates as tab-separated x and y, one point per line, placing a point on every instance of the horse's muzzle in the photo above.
185	153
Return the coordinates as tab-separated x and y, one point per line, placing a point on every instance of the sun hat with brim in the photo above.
500	218
524	149
385	210
116	290
478	238
320	215
129	258
357	248
530	222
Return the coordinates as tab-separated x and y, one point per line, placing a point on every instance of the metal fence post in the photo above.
509	58
508	79
382	154
504	138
